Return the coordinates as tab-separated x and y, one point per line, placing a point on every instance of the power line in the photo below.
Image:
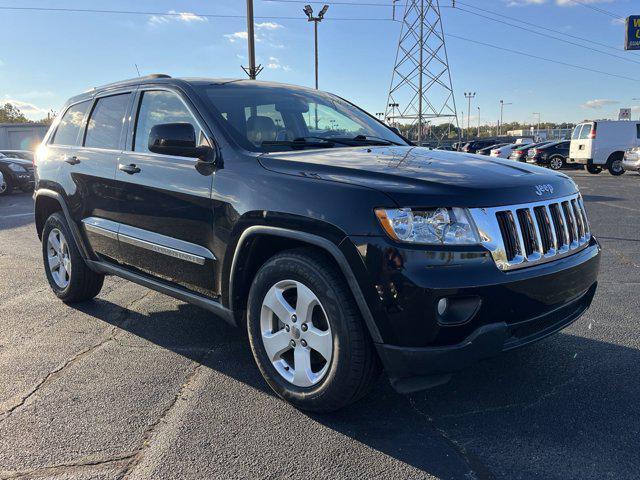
520	27
176	14
302	2
531	55
597	9
540	27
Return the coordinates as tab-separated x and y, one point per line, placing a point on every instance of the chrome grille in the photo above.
522	235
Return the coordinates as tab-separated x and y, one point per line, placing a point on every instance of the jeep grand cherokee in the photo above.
339	246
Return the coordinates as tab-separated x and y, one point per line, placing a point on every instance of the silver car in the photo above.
631	160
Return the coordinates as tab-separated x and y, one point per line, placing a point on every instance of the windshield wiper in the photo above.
297	143
326	139
372	139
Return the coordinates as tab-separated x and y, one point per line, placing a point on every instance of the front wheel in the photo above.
594	169
68	275
556	163
307	335
6	185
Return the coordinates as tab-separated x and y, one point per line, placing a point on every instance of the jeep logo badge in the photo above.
546	188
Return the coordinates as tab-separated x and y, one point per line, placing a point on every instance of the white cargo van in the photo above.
602	144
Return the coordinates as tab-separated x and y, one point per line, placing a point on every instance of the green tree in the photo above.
11	114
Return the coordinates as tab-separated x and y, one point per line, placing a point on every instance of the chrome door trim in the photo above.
155	242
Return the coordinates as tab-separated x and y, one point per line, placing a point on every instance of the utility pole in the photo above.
393	107
538	125
469	96
310	18
502	104
253	70
421	70
478	122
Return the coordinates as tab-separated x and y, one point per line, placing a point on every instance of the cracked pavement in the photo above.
137	385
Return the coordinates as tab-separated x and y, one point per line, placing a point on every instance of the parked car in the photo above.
3	185
17	173
475	145
23	154
340	252
602	144
553	155
487	150
519	154
631	159
505	151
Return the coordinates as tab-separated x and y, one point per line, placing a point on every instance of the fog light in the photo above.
443	304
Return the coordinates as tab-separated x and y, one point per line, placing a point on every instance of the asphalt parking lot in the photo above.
138	385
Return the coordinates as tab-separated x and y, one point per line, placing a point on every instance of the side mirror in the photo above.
178	139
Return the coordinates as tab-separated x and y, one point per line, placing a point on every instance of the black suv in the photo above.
298	216
475	145
553	155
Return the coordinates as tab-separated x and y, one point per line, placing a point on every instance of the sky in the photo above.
48	56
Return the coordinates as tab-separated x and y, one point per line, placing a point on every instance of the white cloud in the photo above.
599	103
262	32
274	64
31	111
571	3
234	37
173	16
268	26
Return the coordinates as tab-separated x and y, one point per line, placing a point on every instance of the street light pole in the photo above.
538	124
310	18
469	96
502	104
478	122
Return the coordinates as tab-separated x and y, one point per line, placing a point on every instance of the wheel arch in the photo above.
48	202
258	243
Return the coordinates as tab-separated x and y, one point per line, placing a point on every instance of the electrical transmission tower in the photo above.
421	85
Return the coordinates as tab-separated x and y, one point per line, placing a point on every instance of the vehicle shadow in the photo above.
551	410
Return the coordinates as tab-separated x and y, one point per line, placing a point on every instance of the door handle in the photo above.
130	169
72	160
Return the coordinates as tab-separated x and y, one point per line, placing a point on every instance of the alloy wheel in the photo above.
59	258
616	166
296	333
556	163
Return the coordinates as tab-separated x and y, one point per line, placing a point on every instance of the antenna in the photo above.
137	69
421	89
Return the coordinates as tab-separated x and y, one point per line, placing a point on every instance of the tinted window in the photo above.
106	122
638	130
69	127
157	107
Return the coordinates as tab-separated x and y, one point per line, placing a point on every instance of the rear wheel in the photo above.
68	275
614	165
6	186
594	169
307	335
556	163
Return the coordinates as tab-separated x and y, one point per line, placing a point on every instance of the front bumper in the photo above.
513	309
631	162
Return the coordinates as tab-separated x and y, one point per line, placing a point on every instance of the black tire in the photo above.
614	164
594	169
84	283
7	187
354	366
554	164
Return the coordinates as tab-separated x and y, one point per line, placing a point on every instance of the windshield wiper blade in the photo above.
373	138
296	144
327	139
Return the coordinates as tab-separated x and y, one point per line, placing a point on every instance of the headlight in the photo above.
17	168
438	226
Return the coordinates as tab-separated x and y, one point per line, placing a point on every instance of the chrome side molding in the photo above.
155	242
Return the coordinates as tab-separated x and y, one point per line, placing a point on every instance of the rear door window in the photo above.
70	125
106	122
586	130
576	132
638	130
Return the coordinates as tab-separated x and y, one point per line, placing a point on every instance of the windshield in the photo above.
265	118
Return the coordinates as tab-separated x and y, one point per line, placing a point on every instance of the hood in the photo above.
420	177
19	161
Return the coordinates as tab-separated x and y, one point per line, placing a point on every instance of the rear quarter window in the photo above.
68	130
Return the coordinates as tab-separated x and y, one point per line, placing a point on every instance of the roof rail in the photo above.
133	80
